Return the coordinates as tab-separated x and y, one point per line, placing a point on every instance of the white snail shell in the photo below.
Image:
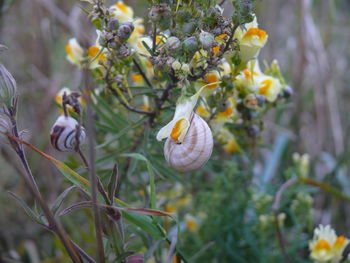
64	132
194	151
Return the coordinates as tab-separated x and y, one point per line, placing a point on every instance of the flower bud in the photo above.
190	44
113	24
125	30
8	87
185	68
207	40
176	65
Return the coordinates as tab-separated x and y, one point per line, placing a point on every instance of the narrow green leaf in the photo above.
113	182
27	209
60	199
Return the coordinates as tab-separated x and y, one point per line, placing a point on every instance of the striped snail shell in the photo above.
194	151
64	132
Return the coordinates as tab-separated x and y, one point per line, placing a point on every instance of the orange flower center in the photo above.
254	31
122	7
266	84
178	129
339	242
322	245
93	51
68	49
211	78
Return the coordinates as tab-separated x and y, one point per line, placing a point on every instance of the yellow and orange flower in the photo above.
326	245
75	52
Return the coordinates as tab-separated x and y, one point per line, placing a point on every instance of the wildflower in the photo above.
59	96
145	106
228	140
122	12
95	55
8	86
254	80
75	52
251	43
178	127
303	163
192	223
326	245
251	40
202	111
224	116
137	79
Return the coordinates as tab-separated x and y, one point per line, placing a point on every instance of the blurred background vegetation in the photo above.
310	39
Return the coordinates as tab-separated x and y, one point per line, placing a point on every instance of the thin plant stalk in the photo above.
33	188
92	169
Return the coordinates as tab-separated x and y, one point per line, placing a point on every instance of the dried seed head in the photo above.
124	51
8	87
105	37
158	12
125	30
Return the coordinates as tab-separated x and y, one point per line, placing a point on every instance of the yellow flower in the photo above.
92	53
326	245
251	40
228	140
75	52
201	110
257	82
192	223
122	12
251	43
178	127
145	105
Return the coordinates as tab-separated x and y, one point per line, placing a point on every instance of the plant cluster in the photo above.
191	76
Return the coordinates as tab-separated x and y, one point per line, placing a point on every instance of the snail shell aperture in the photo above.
64	134
194	151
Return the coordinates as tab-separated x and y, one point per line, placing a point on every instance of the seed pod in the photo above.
125	30
64	134
173	43
288	91
194	151
8	87
190	44
113	24
189	27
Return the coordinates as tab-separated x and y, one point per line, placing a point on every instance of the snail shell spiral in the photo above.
64	132
194	151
